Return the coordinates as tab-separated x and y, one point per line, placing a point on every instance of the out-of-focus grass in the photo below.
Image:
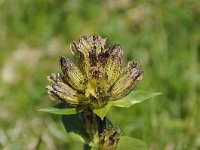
163	34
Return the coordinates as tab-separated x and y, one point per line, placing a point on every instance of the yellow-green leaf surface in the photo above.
94	148
76	137
102	112
128	143
134	97
61	109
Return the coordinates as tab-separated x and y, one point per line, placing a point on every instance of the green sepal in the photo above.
134	97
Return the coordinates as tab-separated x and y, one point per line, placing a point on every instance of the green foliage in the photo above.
62	109
162	35
74	125
136	96
102	112
131	144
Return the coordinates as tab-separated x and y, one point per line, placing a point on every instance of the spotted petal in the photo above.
89	53
82	58
125	83
62	91
72	75
113	66
97	43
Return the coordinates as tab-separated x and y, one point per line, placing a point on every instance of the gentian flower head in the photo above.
96	77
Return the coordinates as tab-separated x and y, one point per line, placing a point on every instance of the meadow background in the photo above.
164	35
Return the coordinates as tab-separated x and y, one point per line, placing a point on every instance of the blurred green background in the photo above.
164	35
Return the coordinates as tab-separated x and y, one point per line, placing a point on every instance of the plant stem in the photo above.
94	125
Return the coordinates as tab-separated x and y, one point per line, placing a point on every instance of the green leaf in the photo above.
102	112
129	143
62	109
77	137
94	148
74	125
134	97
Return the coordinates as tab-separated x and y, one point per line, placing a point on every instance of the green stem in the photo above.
94	125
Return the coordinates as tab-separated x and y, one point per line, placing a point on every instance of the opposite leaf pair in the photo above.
136	96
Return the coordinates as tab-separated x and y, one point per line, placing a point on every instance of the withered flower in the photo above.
109	138
97	77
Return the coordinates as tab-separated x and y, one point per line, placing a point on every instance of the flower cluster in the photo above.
97	76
